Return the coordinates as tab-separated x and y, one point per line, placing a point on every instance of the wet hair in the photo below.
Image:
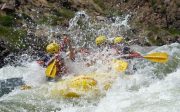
126	50
2	42
64	34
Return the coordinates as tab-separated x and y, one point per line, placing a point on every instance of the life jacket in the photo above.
64	47
60	63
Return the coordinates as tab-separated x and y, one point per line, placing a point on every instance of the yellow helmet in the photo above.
52	48
117	40
99	40
120	65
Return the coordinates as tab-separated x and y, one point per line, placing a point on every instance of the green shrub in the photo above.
100	3
174	31
14	37
6	20
66	13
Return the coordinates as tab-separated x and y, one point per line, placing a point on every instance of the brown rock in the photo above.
7	7
100	18
177	15
178	39
176	24
85	4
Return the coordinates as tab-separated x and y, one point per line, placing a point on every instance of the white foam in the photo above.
31	73
160	95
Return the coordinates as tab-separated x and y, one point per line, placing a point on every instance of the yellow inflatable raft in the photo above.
83	85
93	84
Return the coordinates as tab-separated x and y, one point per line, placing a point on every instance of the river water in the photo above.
153	87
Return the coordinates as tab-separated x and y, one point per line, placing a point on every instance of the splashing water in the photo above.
84	29
153	87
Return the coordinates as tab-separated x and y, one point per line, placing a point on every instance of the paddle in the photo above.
51	70
25	87
160	57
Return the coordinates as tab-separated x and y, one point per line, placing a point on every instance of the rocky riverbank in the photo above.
153	22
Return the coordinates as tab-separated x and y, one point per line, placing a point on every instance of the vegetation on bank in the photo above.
13	36
7	20
154	18
10	34
57	17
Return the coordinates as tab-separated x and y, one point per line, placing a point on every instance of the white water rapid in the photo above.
153	87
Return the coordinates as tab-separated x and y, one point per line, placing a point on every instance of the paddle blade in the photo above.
51	70
120	65
25	87
157	57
